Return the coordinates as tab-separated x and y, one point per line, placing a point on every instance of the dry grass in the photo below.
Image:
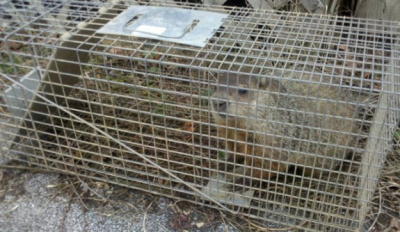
385	210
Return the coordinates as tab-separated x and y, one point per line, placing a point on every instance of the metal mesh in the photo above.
304	107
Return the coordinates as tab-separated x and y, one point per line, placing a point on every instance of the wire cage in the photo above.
282	117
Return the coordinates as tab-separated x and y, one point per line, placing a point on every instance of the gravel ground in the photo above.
34	203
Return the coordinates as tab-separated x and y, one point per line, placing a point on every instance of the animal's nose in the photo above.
220	105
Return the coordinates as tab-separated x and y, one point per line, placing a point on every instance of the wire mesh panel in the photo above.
291	113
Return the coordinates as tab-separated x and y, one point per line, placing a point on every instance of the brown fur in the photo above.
265	117
239	143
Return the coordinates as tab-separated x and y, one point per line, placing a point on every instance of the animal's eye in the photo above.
242	91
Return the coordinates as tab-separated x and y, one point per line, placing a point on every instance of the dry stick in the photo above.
66	212
9	211
28	168
145	215
209	221
273	229
77	194
391	172
121	144
84	219
388	229
52	198
223	220
379	211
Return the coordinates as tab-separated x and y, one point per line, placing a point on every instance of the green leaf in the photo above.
221	154
207	92
157	111
397	134
154	69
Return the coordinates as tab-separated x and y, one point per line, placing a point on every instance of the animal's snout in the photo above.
220	105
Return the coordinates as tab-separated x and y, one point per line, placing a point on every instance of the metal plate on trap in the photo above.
190	27
216	189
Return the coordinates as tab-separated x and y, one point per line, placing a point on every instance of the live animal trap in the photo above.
188	100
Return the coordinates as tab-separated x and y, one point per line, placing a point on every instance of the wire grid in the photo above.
138	112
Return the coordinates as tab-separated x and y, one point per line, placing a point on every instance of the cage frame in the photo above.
79	41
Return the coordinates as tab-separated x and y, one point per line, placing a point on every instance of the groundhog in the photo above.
292	120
